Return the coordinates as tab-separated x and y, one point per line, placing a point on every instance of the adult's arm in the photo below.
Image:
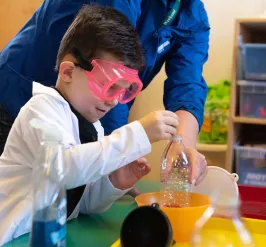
185	89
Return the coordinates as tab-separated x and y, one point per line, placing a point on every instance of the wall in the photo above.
222	15
14	13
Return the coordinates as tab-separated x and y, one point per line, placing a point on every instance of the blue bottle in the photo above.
49	203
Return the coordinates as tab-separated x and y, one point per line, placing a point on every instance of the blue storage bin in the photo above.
251	165
252	99
254	61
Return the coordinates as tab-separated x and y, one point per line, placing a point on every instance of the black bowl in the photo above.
146	226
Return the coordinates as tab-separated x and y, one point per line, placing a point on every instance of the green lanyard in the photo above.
172	14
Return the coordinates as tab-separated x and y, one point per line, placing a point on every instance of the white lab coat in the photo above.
86	163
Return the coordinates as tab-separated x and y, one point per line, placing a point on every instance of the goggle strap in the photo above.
83	63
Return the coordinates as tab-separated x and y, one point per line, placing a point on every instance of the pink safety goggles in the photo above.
110	80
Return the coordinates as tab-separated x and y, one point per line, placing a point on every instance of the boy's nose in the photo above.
111	103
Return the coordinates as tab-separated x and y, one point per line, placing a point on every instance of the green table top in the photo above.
97	230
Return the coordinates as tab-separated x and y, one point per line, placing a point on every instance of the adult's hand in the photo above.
189	128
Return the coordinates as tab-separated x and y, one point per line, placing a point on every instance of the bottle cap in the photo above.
177	137
49	131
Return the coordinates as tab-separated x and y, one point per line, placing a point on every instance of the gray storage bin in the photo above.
251	165
254	61
252	99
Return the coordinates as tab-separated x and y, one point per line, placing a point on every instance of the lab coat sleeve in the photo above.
86	163
185	88
99	196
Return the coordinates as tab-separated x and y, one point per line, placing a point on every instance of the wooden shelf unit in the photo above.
252	30
246	120
211	147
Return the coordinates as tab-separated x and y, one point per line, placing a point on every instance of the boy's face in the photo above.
74	86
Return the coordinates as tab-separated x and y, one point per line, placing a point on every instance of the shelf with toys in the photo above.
246	143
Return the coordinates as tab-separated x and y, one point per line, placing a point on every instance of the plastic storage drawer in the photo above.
252	99
254	61
251	165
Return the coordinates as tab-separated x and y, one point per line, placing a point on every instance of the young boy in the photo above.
97	63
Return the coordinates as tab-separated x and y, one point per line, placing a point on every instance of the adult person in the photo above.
174	32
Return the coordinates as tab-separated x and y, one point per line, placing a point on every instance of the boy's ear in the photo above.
66	70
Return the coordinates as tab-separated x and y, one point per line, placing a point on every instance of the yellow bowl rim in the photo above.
185	208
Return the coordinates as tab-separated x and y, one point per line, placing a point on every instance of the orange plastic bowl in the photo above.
182	219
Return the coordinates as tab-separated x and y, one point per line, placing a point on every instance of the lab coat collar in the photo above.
38	88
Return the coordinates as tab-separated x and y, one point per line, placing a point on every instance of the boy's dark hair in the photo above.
99	29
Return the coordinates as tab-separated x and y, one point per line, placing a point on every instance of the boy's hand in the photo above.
160	125
125	177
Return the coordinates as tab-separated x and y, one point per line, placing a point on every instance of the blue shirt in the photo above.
183	46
